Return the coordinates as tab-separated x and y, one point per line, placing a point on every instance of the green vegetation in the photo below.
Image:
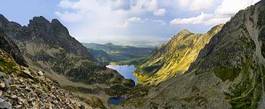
117	54
175	57
226	73
7	64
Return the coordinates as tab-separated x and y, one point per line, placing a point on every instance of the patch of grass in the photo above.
247	93
226	73
7	65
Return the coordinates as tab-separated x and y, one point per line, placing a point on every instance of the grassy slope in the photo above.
228	73
173	58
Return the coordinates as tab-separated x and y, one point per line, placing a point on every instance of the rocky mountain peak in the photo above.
57	22
175	57
58	28
215	28
3	21
39	20
40	27
48	46
184	32
3	18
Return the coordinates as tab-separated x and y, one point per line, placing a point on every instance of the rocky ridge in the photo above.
228	73
24	88
48	46
175	57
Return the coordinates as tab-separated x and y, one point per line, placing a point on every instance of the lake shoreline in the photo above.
127	71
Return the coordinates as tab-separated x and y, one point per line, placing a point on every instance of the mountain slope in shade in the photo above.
22	87
48	46
175	57
9	46
228	73
100	55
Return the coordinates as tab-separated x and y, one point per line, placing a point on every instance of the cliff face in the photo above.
10	47
228	73
175	57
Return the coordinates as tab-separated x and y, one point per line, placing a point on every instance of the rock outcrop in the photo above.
10	47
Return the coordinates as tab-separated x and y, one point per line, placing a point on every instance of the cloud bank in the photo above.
221	14
138	20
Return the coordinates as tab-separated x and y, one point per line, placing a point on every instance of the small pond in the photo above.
127	72
115	100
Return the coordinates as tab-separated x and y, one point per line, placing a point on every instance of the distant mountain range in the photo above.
110	53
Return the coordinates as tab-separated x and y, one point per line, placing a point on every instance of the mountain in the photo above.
109	52
48	46
228	73
10	47
174	57
22	87
101	56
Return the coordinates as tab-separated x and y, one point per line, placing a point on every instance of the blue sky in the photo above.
126	21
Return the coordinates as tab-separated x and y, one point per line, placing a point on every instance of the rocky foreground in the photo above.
24	88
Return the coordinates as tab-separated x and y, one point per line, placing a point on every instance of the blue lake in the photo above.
115	100
125	70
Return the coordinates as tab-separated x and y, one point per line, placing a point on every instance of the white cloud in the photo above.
160	12
65	3
134	19
69	17
205	19
161	22
196	5
120	4
105	18
230	7
91	20
222	13
184	3
201	4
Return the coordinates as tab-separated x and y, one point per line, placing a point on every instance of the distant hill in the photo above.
109	52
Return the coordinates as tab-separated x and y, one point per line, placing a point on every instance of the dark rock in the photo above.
3	21
10	47
4	104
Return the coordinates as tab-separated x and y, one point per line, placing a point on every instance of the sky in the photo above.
126	21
